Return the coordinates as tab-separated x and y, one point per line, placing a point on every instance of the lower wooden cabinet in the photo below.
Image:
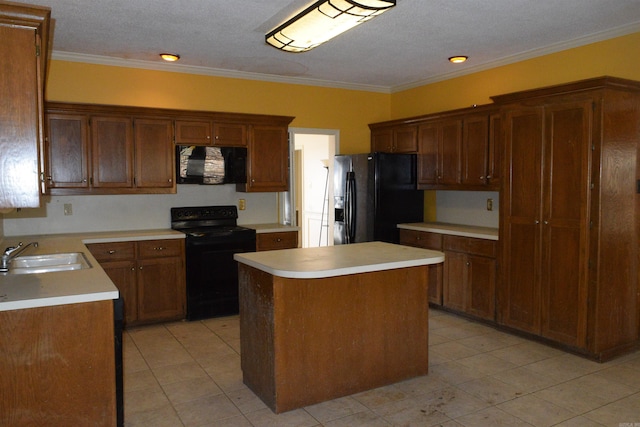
469	282
466	281
279	240
150	275
426	240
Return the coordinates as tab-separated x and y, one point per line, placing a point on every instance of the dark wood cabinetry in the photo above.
457	150
466	281
396	139
277	240
427	240
568	215
149	274
267	159
99	149
24	35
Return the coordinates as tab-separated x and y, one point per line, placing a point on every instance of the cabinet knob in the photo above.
278	240
489	176
170	180
159	248
546	222
536	222
140	267
111	252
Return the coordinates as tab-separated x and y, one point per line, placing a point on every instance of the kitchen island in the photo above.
321	323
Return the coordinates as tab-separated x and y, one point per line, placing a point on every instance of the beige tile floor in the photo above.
188	374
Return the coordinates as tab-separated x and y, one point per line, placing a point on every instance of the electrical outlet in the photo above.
489	204
242	204
68	209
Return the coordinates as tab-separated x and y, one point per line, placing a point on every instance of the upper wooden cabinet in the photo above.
206	132
457	150
568	219
394	139
99	149
267	159
24	35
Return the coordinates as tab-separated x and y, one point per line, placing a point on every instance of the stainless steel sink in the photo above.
47	263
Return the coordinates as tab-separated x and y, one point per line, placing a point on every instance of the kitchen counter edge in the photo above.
487	233
340	260
67	287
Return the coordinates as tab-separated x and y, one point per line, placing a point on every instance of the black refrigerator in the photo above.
372	194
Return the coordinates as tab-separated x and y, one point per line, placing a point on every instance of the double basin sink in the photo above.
47	263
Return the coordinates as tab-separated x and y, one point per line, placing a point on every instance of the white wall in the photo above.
133	212
467	207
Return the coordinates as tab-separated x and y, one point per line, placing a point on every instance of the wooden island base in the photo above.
305	341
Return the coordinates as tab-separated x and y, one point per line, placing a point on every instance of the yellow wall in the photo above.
313	107
618	57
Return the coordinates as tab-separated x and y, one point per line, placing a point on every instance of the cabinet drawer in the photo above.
159	248
421	239
470	245
273	241
115	251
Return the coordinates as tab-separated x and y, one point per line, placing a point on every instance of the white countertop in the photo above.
453	229
270	228
340	260
66	287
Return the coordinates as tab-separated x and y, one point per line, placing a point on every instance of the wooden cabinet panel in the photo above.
112	151
450	150
67	144
24	32
454	288
428	154
268	159
427	240
150	275
475	150
58	366
230	134
274	241
154	153
161	291
398	139
496	145
193	132
481	293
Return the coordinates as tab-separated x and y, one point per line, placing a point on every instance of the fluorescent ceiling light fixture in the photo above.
170	57
322	21
458	59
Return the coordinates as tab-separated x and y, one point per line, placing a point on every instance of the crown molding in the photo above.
205	71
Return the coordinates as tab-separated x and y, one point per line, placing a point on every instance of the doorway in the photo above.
309	203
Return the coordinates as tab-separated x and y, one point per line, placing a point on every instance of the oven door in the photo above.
212	274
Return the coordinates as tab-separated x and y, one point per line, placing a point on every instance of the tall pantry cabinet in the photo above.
569	214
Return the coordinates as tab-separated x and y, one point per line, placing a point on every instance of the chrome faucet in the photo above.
11	252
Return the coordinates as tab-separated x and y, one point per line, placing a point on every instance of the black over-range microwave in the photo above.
210	165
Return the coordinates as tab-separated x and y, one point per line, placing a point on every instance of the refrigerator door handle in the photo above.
350	207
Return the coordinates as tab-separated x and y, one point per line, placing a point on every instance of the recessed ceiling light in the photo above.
458	59
169	57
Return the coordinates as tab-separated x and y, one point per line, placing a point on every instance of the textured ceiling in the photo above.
406	46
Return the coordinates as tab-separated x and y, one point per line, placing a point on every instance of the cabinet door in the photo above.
154	153
20	117
496	145
475	149
449	150
382	140
193	132
519	295
230	134
426	240
68	151
161	290
481	279
565	240
405	139
112	152
428	147
267	163
123	275
454	282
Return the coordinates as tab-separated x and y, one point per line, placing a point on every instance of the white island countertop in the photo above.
20	291
339	260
